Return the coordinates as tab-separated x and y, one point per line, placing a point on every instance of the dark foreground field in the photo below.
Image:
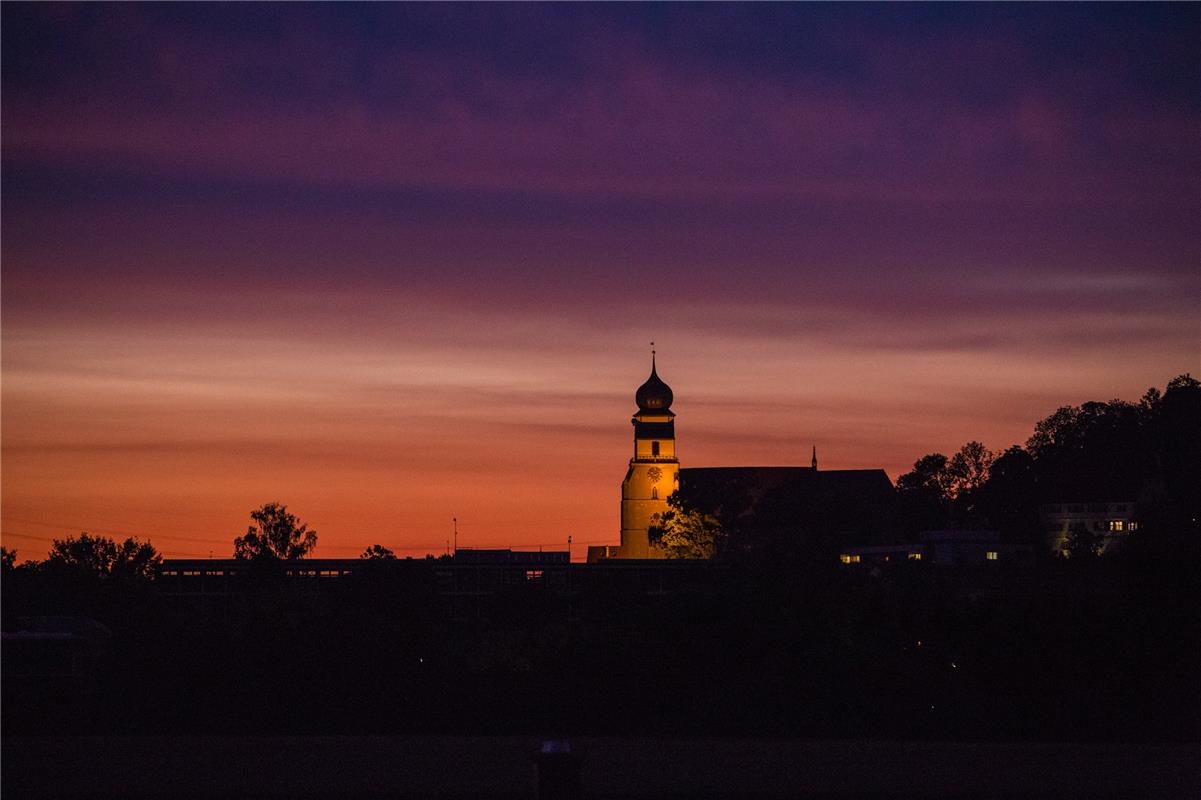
503	767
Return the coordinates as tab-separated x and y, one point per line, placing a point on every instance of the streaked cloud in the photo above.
393	264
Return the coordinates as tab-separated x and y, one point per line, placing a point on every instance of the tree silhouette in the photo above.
1082	544
968	469
8	559
1094	451
276	534
925	494
929	476
1174	428
136	560
1008	501
686	532
377	552
1185	381
102	557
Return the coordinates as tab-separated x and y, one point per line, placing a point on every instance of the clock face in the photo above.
654	473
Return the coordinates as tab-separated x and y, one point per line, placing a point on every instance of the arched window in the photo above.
654	448
654	492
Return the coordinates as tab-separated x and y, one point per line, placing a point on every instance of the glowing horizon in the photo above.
394	265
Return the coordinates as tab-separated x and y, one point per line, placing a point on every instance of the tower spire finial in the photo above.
652	356
814	457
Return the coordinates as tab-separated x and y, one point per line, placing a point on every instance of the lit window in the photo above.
991	555
1132	526
849	558
533	574
1117	525
915	556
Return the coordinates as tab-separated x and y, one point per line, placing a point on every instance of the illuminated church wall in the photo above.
654	471
857	505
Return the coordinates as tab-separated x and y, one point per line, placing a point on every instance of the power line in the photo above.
26	536
112	531
428	547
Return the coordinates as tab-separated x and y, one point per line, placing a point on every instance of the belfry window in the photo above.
654	448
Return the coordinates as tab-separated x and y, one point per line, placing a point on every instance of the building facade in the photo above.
653	474
1110	521
654	471
847	505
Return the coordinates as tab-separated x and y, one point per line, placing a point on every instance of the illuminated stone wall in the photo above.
652	477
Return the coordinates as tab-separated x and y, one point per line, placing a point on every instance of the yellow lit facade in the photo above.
1111	521
654	471
652	476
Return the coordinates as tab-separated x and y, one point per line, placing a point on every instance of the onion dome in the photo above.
654	395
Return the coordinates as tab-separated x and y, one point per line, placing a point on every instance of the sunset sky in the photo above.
391	265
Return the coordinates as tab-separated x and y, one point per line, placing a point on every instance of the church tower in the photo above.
654	472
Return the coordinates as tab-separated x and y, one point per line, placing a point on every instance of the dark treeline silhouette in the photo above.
1148	452
1101	649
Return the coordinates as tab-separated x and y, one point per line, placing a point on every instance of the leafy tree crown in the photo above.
377	552
102	557
276	534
